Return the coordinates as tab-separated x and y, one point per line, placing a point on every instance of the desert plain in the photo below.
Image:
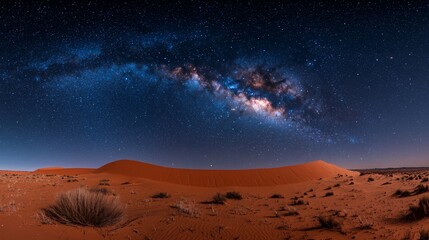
315	200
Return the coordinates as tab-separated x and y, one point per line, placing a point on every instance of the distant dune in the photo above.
64	171
221	178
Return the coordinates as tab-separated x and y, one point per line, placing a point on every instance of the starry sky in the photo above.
213	85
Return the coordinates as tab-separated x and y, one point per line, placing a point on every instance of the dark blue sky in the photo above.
209	85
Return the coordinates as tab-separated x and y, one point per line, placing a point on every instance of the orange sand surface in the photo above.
256	216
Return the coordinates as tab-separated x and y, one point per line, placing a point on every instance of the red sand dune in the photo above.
221	178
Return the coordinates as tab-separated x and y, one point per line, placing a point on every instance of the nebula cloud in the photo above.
256	89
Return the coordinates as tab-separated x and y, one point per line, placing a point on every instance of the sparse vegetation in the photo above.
233	195
290	211
421	189
298	202
218	199
328	222
370	179
85	208
401	193
187	208
161	195
425	180
104	191
329	194
420	211
337	185
276	196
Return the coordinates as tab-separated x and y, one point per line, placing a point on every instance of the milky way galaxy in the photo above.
212	85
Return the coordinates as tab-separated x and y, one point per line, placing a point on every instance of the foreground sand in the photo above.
256	216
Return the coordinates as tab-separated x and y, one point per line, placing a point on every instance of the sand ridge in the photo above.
222	178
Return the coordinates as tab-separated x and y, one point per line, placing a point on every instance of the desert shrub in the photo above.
405	193
424	235
85	208
233	195
298	202
276	196
421	189
104	191
351	183
161	195
425	180
401	193
289	211
420	211
125	183
370	179
337	185
218	199
328	188
328	222
386	183
187	208
329	194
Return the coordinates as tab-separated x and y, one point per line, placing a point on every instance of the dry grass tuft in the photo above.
233	195
161	195
218	199
420	211
328	222
85	208
187	208
329	194
276	195
421	189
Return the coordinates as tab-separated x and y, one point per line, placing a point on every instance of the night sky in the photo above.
213	85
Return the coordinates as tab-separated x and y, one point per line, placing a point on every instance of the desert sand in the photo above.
364	205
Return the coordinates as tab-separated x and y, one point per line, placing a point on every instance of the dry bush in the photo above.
233	195
187	208
104	191
425	180
370	179
420	211
328	222
401	193
329	194
85	208
421	189
298	202
276	195
161	195
290	211
218	199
